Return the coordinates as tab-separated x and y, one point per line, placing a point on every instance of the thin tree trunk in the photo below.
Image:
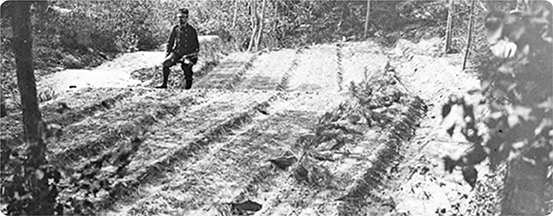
2	104
254	20
275	23
367	18
450	11
469	40
22	47
261	24
235	13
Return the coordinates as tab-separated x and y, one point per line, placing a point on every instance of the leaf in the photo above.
446	109
506	69
449	164
450	130
454	118
513	120
283	162
485	84
504	49
511	86
498	93
247	206
546	104
495	115
545	124
470	175
523	112
39	174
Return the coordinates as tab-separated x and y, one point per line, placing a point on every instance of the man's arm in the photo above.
195	43
171	42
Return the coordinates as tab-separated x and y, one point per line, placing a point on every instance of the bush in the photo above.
518	130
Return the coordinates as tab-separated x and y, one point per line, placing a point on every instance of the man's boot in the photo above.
188	84
165	78
188	74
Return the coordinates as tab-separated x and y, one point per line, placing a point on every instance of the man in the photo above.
182	47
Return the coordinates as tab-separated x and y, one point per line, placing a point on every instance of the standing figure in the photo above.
182	47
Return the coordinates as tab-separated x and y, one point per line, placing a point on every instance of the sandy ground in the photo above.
115	73
208	148
427	188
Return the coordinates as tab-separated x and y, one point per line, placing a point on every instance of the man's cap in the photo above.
182	12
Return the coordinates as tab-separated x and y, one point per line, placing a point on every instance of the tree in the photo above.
448	31
22	47
28	190
367	18
261	23
2	104
257	19
469	37
519	94
234	14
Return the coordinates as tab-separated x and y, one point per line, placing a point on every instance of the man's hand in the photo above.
190	55
187	59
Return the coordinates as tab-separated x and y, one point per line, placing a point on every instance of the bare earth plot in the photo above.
422	186
273	133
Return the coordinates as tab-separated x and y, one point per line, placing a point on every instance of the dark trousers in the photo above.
186	68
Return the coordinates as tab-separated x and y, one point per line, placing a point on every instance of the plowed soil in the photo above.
335	129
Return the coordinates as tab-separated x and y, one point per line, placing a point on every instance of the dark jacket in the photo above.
183	40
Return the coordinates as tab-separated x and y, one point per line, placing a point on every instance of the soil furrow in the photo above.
284	81
379	162
421	187
103	130
323	130
241	167
312	74
340	71
262	138
78	109
268	70
359	62
227	71
239	75
130	187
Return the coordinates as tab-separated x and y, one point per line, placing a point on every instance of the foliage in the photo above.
519	96
376	96
23	186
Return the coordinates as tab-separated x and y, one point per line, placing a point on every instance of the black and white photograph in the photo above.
276	107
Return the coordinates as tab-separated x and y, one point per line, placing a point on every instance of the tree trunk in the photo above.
469	40
235	13
276	19
450	11
367	18
253	12
2	104
22	47
524	188
261	24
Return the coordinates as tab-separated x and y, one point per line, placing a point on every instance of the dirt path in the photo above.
115	73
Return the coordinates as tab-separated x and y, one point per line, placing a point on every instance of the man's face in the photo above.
183	18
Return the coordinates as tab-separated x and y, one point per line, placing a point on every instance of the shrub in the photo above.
518	130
